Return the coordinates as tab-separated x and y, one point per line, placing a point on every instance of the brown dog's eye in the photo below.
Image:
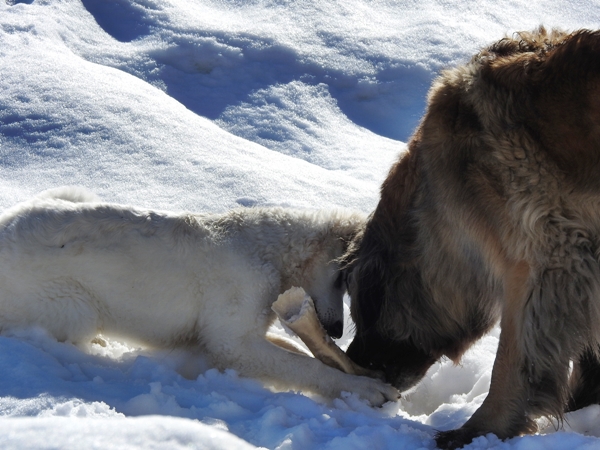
348	280
339	281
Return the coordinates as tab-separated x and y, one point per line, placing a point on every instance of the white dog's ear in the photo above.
351	243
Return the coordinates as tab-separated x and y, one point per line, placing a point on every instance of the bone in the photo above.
296	310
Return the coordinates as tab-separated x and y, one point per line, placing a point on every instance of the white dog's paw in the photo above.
376	392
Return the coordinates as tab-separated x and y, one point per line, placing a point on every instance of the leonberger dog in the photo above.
494	213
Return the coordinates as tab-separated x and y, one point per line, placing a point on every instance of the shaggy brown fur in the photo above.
493	212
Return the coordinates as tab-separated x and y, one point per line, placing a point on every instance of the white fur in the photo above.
78	267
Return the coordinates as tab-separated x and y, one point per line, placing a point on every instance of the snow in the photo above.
206	105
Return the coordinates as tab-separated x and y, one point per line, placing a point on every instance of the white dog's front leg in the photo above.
259	358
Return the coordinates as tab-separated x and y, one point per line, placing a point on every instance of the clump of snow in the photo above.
211	104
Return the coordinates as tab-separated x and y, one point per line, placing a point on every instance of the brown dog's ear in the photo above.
385	244
368	276
351	248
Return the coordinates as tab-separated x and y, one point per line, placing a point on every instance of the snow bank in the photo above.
213	104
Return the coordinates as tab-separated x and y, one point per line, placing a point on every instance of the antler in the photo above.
296	310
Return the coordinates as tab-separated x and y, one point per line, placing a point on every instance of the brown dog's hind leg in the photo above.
585	381
548	319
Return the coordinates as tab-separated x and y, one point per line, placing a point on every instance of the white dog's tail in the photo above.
75	194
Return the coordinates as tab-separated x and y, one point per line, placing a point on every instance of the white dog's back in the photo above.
77	266
80	268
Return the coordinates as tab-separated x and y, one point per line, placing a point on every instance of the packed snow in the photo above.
206	105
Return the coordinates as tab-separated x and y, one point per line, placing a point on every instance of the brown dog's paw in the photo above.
454	439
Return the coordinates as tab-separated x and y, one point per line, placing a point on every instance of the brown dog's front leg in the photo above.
504	411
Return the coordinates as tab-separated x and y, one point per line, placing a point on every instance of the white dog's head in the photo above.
326	285
314	260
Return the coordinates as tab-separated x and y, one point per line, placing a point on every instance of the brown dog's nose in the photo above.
336	329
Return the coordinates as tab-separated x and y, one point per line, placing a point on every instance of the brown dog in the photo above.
493	212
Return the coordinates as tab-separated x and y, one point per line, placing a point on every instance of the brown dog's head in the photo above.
382	284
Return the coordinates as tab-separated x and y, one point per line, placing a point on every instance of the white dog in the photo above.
78	267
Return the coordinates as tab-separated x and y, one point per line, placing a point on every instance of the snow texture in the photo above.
205	105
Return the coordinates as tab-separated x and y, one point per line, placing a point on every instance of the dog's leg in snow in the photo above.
503	412
253	353
585	381
259	358
541	334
